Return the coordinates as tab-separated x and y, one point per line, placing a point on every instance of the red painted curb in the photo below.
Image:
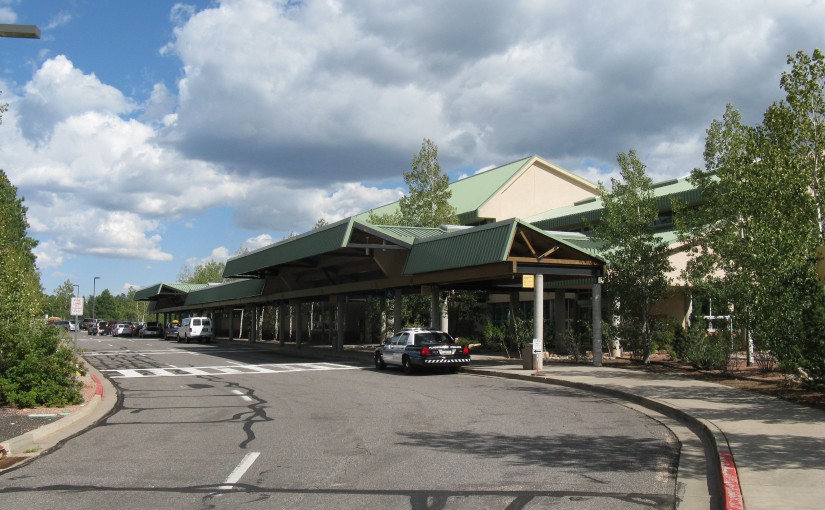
99	389
730	483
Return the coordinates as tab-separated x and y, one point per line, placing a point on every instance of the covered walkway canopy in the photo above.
354	258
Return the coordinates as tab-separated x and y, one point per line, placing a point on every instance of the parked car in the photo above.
171	332
87	323
195	328
105	328
67	325
421	348
95	327
151	329
121	329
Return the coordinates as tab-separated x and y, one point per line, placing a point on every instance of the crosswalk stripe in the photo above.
130	373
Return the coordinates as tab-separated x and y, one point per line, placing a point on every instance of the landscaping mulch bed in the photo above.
751	378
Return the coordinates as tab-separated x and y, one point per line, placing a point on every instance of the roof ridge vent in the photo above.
586	201
665	183
451	228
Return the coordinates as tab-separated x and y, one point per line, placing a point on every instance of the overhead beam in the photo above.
527	241
549	252
375	246
561	262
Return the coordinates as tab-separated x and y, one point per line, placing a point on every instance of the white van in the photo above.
197	328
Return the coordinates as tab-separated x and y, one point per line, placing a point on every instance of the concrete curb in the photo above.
724	464
35	442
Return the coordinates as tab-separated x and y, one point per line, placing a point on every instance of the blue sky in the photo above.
149	135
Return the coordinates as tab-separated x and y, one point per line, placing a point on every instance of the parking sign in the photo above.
77	306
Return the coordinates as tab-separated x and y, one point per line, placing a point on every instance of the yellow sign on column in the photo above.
528	281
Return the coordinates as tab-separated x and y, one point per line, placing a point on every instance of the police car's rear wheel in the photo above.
406	366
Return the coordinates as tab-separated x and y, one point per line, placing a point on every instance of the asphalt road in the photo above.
222	426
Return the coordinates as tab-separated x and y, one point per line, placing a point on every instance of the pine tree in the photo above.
428	202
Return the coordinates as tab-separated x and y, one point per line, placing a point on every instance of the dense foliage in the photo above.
104	305
753	240
428	202
208	272
638	261
36	368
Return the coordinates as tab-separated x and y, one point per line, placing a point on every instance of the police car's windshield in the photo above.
432	338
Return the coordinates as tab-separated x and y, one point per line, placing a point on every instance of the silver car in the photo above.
121	329
421	348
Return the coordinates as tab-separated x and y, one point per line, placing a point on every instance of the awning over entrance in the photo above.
352	257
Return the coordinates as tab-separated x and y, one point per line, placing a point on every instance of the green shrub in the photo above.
811	364
703	351
493	338
666	332
522	333
37	369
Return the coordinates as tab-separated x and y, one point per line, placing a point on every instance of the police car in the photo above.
421	348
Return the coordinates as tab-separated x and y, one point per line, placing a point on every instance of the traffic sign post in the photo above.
538	354
77	309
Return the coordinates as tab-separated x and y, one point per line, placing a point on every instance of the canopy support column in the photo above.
597	324
340	312
396	312
435	310
538	319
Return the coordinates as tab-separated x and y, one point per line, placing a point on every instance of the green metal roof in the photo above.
485	185
579	242
404	236
589	211
159	289
473	246
312	243
225	292
320	241
470	193
670	237
481	245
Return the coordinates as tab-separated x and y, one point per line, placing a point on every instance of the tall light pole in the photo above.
94	300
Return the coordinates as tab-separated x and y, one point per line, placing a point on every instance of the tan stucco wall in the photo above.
536	190
679	260
674	306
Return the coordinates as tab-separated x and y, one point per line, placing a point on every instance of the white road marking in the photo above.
241	394
271	368
127	352
239	471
